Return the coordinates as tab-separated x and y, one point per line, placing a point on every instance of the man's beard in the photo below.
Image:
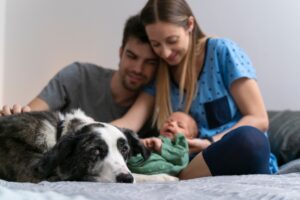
130	87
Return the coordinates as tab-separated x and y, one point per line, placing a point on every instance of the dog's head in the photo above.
93	152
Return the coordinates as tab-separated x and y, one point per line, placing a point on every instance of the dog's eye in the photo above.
103	152
124	149
99	152
96	152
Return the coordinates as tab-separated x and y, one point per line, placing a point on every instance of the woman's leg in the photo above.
244	150
196	168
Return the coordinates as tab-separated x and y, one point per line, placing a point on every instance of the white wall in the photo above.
43	36
2	25
269	31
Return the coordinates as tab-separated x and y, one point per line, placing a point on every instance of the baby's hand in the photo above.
153	143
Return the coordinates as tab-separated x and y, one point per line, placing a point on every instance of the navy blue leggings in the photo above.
244	150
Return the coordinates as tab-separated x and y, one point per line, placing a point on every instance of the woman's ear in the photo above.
191	23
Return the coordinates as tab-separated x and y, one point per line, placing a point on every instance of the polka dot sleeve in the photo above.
234	62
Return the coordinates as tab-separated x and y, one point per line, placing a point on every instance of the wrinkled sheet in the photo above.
222	187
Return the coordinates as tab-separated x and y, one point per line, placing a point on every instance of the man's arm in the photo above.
37	104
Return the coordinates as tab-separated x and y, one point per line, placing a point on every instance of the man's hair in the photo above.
134	29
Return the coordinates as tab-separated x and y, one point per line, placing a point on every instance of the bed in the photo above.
284	137
285	186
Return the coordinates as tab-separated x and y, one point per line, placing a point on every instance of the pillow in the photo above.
290	167
284	135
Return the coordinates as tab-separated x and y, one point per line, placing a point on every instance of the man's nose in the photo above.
138	67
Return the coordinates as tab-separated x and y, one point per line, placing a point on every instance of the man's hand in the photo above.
152	143
6	110
197	145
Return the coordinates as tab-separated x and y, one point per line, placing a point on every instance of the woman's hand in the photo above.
197	145
153	144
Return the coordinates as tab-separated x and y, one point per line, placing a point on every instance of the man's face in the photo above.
137	65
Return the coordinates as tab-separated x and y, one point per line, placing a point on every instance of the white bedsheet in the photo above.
223	187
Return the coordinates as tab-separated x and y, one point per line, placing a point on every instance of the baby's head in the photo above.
179	122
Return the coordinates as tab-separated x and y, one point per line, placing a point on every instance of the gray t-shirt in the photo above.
85	86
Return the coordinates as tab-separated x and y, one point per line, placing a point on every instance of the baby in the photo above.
170	150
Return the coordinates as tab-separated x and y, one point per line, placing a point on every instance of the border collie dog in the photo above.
37	146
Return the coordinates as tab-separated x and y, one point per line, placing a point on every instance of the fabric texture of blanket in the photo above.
220	187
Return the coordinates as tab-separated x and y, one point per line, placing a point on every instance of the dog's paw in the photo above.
141	178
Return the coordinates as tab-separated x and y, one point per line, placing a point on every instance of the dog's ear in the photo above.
135	144
46	166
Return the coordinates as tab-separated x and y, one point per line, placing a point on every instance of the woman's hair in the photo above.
176	12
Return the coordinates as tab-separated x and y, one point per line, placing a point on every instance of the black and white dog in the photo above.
38	146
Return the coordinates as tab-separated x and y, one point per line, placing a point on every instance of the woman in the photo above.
214	81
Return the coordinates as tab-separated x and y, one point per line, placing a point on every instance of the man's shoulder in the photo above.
79	69
90	67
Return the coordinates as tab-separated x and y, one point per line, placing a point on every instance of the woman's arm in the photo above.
249	100
137	115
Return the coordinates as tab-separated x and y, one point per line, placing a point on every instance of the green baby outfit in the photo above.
173	158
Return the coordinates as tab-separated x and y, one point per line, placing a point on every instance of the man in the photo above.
103	94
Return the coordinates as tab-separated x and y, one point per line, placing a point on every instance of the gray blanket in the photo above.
222	187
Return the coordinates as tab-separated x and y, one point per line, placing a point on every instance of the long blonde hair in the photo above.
176	12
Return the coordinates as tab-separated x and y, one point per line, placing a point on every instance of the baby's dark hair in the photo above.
134	28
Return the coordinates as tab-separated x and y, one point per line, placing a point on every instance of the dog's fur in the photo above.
38	146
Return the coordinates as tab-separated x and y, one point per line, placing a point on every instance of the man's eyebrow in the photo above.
131	52
153	59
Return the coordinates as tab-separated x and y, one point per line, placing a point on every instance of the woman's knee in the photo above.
244	150
250	141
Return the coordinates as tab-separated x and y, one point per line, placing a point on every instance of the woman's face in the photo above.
169	41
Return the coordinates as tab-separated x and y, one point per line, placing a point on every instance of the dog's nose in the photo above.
124	178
